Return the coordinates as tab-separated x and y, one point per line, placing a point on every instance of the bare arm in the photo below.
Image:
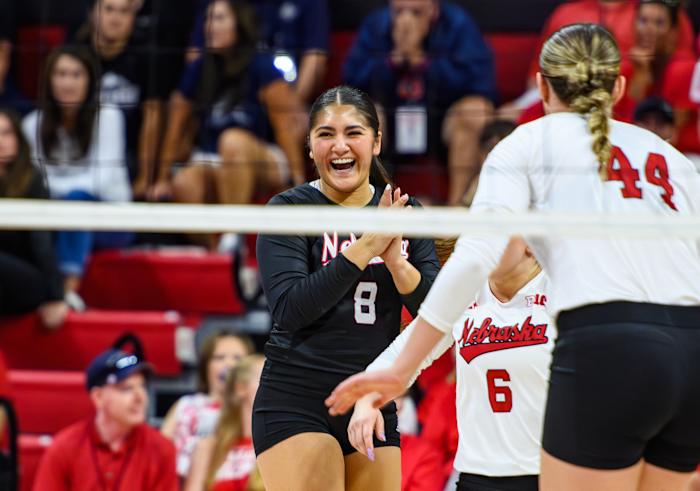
148	145
167	429
312	71
197	475
180	112
284	109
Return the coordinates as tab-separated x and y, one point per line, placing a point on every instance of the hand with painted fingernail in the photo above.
365	422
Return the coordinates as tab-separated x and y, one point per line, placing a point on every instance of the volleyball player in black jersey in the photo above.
336	304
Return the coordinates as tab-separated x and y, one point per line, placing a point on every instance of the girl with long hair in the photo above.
80	148
225	460
194	416
233	91
336	303
623	397
29	276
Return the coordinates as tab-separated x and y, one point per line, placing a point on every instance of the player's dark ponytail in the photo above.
350	96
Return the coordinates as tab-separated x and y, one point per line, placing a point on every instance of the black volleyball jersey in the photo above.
328	315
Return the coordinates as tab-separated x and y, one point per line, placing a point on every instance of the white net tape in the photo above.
313	220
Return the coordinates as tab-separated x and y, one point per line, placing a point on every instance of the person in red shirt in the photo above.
115	450
655	67
225	460
621	19
617	16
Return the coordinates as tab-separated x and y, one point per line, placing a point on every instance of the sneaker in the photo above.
75	301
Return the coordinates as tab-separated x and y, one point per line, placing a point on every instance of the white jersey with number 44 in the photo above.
548	166
503	352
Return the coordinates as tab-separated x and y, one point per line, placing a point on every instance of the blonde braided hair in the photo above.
582	63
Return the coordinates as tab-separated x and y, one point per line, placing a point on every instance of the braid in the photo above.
581	62
597	105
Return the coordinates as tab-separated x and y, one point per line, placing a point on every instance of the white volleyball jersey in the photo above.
503	352
548	165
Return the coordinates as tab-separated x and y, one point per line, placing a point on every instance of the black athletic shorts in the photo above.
292	403
625	386
475	482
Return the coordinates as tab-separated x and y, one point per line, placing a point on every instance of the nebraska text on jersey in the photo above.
488	337
331	248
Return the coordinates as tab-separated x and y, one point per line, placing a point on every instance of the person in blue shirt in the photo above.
296	32
427	64
232	91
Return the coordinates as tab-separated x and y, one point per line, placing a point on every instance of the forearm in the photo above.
296	296
291	144
639	84
360	253
149	138
284	111
312	296
421	341
312	71
180	111
389	356
406	277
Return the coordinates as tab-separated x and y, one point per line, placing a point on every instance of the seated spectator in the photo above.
296	32
656	115
194	416
427	64
225	460
29	277
617	16
233	91
115	449
80	147
129	82
10	97
655	67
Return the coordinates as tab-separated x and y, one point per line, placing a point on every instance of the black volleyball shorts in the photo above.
625	386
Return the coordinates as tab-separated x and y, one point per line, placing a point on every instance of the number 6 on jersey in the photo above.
365	298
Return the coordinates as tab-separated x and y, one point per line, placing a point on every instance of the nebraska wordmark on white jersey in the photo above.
548	165
503	353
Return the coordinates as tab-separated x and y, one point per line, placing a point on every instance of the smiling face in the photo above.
653	26
342	147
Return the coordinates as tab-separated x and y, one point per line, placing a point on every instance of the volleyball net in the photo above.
313	220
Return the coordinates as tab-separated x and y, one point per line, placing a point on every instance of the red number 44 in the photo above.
656	171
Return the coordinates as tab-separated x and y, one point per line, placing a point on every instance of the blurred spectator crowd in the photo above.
205	101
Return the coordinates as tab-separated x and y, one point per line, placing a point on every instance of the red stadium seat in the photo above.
512	52
186	281
28	345
341	42
423	178
33	45
48	401
31	448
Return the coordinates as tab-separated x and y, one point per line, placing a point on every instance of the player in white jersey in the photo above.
625	378
503	342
